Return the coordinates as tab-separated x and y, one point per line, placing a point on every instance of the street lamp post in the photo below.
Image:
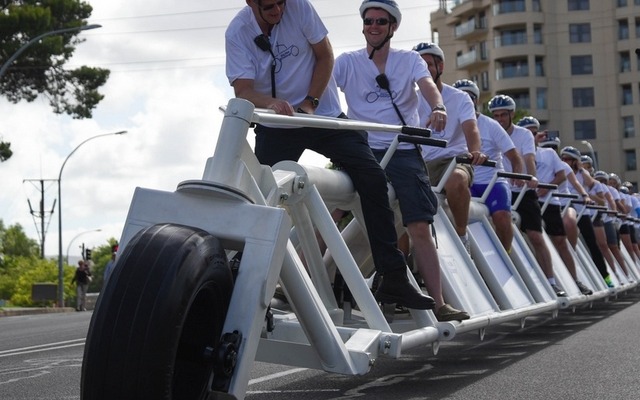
77	236
60	260
15	55
593	154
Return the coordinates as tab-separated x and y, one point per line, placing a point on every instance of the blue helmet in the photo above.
585	159
553	142
529	121
467	85
502	102
389	6
429	48
601	175
572	152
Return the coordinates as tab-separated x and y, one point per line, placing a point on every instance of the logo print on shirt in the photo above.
373	96
282	52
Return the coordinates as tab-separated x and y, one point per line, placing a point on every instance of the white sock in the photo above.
552	280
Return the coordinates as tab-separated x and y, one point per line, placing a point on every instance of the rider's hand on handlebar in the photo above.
281	107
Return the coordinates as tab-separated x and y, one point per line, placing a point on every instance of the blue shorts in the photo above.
499	198
407	174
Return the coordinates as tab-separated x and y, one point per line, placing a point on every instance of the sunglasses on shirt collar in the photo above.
378	21
279	3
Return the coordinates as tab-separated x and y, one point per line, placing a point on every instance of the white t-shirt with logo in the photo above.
291	42
460	109
355	74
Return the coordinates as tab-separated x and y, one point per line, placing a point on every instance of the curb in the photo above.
12	312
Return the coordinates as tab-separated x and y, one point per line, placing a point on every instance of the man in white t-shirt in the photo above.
463	139
378	82
503	108
279	57
552	170
496	143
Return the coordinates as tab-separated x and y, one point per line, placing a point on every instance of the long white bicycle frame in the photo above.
257	210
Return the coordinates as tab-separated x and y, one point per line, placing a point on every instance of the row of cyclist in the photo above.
562	195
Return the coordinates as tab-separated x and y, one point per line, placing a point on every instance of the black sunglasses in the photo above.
279	3
378	21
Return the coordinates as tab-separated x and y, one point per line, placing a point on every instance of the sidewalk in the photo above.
15	311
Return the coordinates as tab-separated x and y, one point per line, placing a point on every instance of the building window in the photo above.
535	5
625	61
541	98
630	160
539	66
629	130
484	81
537	34
621	3
580	33
584	129
638	27
583	97
512	69
522	99
508	6
623	29
581	65
627	95
578	5
511	37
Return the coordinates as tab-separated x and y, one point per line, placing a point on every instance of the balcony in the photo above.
470	30
471	59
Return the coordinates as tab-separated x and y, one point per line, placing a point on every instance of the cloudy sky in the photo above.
167	81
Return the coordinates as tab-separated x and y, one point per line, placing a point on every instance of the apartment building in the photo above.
573	64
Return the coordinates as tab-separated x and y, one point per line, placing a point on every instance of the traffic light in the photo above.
87	254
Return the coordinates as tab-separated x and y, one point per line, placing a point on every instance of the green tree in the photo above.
5	151
39	71
14	242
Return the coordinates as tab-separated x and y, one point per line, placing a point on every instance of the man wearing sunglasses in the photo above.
378	82
279	57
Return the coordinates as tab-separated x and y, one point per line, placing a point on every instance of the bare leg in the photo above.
503	228
543	256
459	198
561	244
426	259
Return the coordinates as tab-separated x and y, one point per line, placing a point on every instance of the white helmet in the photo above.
389	6
467	85
429	48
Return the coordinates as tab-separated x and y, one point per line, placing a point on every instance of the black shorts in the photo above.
553	224
529	211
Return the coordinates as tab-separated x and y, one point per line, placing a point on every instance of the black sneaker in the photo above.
583	289
396	288
559	291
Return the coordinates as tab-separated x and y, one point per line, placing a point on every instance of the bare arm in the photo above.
430	92
516	161
472	136
244	89
321	72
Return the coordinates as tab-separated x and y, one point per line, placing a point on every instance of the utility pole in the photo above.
41	213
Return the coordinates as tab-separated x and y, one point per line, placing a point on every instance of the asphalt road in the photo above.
593	353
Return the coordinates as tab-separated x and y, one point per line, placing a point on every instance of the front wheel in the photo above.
159	318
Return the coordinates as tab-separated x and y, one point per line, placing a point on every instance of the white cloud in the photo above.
167	82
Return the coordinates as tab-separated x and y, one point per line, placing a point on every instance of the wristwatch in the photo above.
439	107
313	100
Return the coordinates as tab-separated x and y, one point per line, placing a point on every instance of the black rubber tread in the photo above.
165	303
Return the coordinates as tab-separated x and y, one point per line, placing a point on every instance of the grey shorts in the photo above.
438	167
407	175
